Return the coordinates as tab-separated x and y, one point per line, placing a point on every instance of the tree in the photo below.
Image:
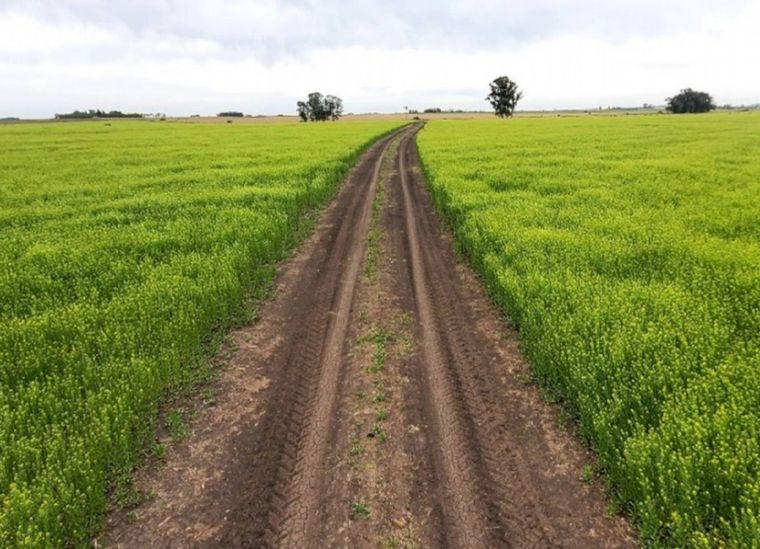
316	104
690	101
333	106
303	111
504	96
320	108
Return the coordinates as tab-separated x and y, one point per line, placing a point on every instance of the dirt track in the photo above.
379	401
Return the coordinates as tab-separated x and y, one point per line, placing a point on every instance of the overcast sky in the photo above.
260	56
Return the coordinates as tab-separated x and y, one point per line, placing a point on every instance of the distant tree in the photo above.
333	107
432	110
504	96
690	101
318	108
229	114
303	111
316	104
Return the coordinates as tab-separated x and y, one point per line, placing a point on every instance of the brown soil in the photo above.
380	401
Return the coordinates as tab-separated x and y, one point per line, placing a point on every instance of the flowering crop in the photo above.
627	252
123	247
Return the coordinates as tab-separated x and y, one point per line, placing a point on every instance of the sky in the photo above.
261	56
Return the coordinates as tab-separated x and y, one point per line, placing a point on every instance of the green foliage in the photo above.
319	108
359	509
627	251
96	113
123	249
690	101
176	425
504	96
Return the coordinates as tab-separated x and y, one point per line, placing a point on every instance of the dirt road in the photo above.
379	401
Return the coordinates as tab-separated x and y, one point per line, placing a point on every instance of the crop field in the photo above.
627	252
123	248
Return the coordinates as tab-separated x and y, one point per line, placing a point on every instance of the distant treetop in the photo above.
504	96
320	107
690	101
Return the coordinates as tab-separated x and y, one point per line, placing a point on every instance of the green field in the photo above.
124	247
627	251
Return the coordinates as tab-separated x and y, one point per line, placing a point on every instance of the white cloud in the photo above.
261	56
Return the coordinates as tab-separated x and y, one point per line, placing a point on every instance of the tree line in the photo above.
503	97
96	113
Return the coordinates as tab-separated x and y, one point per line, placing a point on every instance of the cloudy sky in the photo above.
259	56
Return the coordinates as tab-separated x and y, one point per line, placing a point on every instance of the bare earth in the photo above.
381	401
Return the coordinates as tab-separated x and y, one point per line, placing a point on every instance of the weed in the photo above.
208	396
587	474
391	542
525	378
176	426
378	432
158	452
125	493
356	449
359	509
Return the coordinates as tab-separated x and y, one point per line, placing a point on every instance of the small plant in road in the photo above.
359	509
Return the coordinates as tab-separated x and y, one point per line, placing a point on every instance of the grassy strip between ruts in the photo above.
124	246
627	252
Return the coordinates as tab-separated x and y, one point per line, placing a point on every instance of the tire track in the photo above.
280	507
499	490
295	524
473	458
471	522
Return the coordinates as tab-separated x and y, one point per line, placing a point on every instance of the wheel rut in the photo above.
379	402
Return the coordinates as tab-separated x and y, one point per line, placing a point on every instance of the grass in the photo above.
175	424
379	396
356	449
587	474
380	339
627	252
125	492
374	247
378	432
124	249
359	509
